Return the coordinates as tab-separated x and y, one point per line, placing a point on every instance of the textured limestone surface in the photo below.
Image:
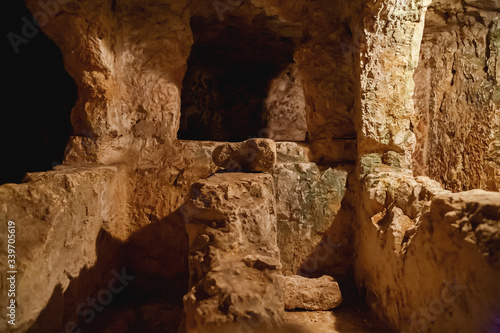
308	204
389	56
292	152
415	236
128	59
331	80
235	277
425	258
64	220
316	294
250	155
457	96
285	107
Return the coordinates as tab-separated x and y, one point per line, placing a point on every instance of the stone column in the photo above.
128	59
234	263
389	55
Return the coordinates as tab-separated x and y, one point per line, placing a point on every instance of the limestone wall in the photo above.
457	98
69	224
428	259
424	257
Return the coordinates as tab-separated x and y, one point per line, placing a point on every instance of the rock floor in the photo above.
341	320
347	318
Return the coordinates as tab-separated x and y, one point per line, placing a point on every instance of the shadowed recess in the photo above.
35	127
227	79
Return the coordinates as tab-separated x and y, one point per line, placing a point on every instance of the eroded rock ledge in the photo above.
415	236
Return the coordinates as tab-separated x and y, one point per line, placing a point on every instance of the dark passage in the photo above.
227	79
35	120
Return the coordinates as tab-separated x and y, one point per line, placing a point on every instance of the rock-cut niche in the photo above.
240	80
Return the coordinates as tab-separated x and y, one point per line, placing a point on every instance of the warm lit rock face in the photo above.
427	258
111	49
330	81
69	225
311	294
286	107
343	202
421	256
234	264
389	56
251	155
457	96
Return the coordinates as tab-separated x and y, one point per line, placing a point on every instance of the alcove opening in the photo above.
36	125
227	80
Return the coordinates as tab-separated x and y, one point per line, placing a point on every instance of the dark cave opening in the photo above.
35	126
227	80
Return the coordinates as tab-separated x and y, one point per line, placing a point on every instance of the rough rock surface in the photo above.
389	56
410	228
292	152
308	204
128	60
457	96
62	218
235	277
316	294
246	156
331	80
286	107
357	60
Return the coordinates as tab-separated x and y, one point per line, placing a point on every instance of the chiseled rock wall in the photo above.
77	223
457	96
330	80
128	59
64	222
308	204
234	260
285	107
389	55
428	259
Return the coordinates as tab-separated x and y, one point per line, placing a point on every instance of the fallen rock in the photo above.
311	294
247	156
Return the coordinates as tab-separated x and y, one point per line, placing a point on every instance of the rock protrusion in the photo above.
254	155
235	278
319	294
